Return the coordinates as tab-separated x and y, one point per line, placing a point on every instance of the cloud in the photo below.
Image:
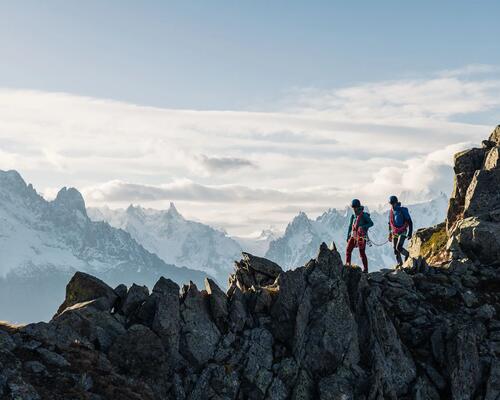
419	178
317	148
470	70
414	101
120	191
223	164
292	137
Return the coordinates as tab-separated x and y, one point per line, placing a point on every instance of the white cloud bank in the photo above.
244	170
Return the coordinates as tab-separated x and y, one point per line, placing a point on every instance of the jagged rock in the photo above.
254	271
304	387
139	351
493	385
284	311
133	299
238	315
393	366
262	265
218	304
479	240
6	342
466	164
88	323
485	312
121	292
277	390
463	359
495	136
166	320
20	390
482	194
53	358
35	367
199	334
331	337
424	390
492	159
473	220
429	243
84	287
262	300
258	360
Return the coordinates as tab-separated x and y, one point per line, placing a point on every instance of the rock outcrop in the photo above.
472	228
321	331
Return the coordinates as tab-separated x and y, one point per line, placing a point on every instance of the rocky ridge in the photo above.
322	331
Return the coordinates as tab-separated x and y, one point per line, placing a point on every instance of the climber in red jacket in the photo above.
357	233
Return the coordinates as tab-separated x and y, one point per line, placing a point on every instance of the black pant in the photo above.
398	242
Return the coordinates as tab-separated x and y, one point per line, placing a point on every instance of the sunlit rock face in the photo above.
472	231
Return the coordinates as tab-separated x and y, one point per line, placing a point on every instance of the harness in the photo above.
357	232
397	230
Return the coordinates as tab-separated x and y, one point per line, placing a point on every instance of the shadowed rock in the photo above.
84	287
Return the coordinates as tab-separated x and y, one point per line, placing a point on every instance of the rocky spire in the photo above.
495	136
172	212
70	199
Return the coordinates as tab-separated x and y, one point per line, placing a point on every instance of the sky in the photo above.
244	113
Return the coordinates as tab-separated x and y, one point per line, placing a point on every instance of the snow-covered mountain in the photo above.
43	243
175	239
303	236
258	245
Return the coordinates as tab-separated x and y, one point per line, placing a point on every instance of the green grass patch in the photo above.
435	244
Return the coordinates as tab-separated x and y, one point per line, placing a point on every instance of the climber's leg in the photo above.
362	254
351	244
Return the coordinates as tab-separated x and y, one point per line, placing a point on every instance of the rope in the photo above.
370	242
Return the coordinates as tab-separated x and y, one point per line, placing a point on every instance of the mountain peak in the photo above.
136	211
12	180
172	211
301	217
268	234
71	199
300	222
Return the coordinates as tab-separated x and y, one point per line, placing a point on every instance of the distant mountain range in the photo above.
175	239
303	235
258	245
182	242
42	244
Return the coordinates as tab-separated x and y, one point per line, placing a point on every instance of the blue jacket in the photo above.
401	216
365	222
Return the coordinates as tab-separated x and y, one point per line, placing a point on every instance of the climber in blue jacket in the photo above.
400	228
